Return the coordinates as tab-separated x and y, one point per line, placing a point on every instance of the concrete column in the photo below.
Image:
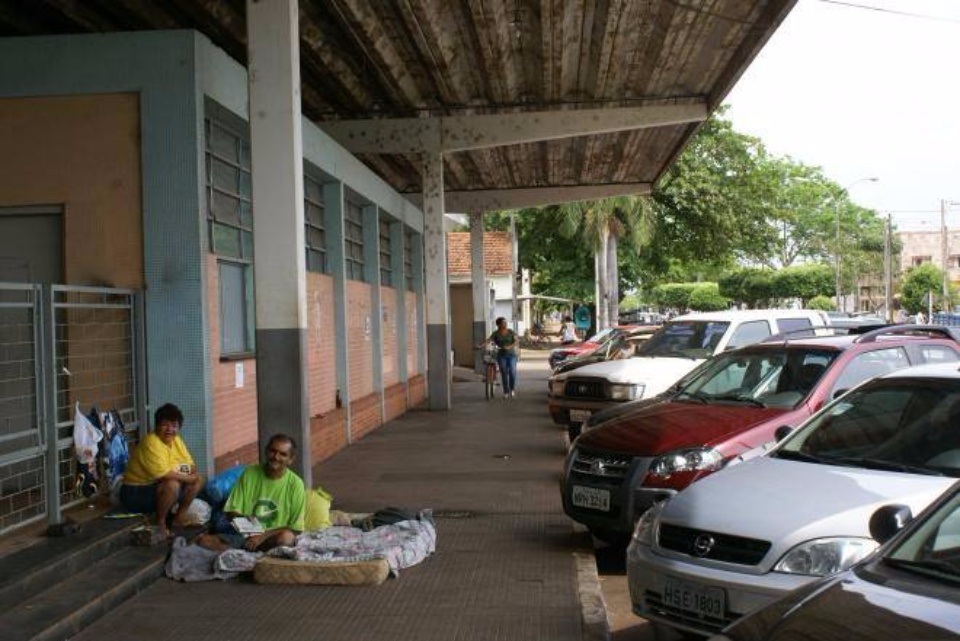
437	291
399	283
273	45
478	281
418	291
371	273
333	210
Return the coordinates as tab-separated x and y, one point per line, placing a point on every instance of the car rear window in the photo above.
912	423
685	339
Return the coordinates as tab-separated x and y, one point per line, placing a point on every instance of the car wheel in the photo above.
610	537
663	632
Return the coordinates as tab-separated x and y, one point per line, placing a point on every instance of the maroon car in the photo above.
737	402
561	354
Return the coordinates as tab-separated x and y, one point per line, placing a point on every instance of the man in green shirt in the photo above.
273	494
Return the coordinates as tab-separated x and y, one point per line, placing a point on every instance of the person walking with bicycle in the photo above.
506	341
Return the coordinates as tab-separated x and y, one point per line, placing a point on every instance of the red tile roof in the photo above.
496	253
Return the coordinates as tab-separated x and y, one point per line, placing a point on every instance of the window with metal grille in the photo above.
386	254
408	259
315	232
353	241
230	224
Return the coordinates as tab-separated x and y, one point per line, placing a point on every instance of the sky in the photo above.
865	93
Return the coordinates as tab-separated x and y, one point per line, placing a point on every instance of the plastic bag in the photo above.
198	513
217	489
318	509
86	437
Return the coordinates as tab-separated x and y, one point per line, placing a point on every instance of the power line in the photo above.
907	14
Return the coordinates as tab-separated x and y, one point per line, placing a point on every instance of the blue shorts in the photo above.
141	498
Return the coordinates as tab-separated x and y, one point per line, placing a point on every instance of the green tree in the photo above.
705	297
602	226
708	203
917	283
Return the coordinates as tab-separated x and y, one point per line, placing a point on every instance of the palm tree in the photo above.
603	225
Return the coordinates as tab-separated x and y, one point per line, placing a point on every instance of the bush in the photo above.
706	297
823	303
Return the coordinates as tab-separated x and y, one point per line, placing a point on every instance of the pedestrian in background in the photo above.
506	341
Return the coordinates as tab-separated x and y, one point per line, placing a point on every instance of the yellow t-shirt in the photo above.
153	458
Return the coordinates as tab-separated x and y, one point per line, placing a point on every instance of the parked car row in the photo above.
670	353
816	432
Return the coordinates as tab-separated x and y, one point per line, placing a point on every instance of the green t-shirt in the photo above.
275	502
507	343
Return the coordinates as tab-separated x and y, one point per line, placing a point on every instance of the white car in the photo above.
745	536
672	351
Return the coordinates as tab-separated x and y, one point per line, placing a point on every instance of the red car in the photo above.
560	354
738	401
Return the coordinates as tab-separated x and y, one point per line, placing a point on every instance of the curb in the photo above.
593	609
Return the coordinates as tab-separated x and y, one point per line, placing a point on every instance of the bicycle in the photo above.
489	372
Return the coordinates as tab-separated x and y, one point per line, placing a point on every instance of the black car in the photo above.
908	589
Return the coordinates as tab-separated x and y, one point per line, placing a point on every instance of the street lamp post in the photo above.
838	286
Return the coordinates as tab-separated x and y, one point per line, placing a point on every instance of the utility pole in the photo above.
888	270
943	255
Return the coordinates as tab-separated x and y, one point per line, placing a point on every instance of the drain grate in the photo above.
452	514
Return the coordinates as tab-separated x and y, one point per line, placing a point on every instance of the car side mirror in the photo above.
888	520
840	392
782	432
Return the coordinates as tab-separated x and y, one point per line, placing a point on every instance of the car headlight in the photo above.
556	387
647	525
625	392
822	557
694	459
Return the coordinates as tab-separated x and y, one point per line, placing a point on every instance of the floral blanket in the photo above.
402	544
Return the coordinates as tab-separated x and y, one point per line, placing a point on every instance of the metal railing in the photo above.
61	345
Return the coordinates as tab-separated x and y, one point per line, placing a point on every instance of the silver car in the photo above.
745	536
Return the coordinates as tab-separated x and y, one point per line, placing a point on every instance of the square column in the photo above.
478	281
273	45
439	372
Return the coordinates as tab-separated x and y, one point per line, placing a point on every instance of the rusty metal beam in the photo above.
464	133
501	199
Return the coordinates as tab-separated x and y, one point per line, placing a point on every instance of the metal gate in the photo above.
61	345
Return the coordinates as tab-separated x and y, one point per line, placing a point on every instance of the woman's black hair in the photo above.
168	412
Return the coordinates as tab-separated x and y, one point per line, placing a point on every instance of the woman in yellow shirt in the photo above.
161	472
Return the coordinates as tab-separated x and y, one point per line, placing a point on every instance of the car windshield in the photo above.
603	335
769	378
685	339
933	549
900	424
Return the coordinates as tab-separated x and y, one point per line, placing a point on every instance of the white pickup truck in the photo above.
675	349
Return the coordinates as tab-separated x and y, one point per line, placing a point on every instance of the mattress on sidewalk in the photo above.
288	571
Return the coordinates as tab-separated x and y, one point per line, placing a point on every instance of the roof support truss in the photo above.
501	199
446	134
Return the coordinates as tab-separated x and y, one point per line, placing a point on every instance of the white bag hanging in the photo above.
86	437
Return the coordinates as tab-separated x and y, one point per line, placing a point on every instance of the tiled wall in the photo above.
413	331
321	344
234	408
395	401
364	416
388	311
360	337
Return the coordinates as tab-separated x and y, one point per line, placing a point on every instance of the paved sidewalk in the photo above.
509	565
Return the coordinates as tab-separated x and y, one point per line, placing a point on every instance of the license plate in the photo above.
591	497
700	600
579	416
